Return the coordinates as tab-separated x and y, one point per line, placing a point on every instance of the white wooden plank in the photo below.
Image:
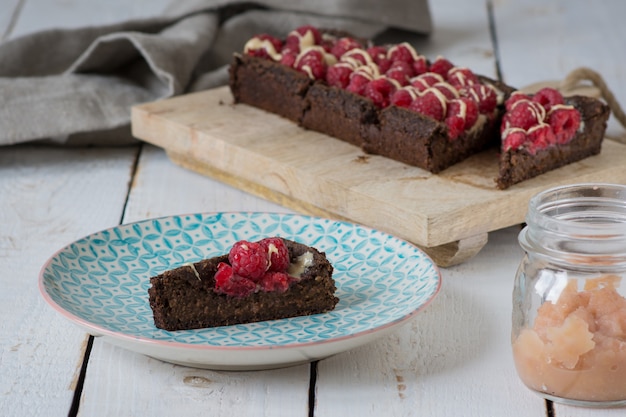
453	359
50	197
545	40
122	383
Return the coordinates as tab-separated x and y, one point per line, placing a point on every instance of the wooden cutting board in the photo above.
449	215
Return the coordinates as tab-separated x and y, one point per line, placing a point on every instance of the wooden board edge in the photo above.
446	255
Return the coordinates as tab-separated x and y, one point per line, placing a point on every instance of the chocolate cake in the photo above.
391	101
197	295
528	156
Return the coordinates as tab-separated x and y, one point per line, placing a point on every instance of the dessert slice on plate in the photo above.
270	279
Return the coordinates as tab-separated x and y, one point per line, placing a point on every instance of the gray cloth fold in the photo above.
76	86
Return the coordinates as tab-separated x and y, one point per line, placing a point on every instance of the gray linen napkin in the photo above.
76	86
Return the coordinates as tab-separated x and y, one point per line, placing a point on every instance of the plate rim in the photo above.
171	344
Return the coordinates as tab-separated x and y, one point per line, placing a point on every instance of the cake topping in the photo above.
259	266
538	121
381	74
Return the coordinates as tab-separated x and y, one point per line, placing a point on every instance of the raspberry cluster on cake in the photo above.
270	279
391	101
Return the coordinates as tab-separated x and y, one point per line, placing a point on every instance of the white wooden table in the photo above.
453	359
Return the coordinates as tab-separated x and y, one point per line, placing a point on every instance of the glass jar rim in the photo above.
565	209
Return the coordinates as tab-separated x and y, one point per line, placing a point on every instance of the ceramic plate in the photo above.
100	282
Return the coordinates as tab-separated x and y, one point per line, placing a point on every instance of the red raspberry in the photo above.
420	65
441	66
379	91
548	97
359	55
461	77
425	80
275	282
229	283
523	114
401	98
402	52
338	75
400	71
288	59
248	259
263	51
514	139
429	104
312	63
378	53
447	90
514	98
310	34
344	45
564	121
456	126
277	253
461	116
484	95
357	83
540	137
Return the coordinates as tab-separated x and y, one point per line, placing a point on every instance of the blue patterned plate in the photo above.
100	282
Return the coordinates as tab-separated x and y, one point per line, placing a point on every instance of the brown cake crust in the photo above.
181	300
519	165
269	86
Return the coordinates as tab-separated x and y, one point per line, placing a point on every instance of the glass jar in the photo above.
569	305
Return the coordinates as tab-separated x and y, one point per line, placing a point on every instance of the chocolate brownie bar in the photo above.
188	298
518	164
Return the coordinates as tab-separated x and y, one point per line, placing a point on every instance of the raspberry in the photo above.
378	53
425	80
429	104
275	282
400	71
564	121
513	139
379	91
402	52
270	46
304	36
338	75
277	253
514	98
248	259
401	98
288	59
358	55
548	97
540	137
461	77
483	95
229	283
456	126
344	45
312	63
447	90
441	66
462	114
357	83
420	65
523	114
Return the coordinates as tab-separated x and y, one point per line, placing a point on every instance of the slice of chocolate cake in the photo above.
257	281
547	131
